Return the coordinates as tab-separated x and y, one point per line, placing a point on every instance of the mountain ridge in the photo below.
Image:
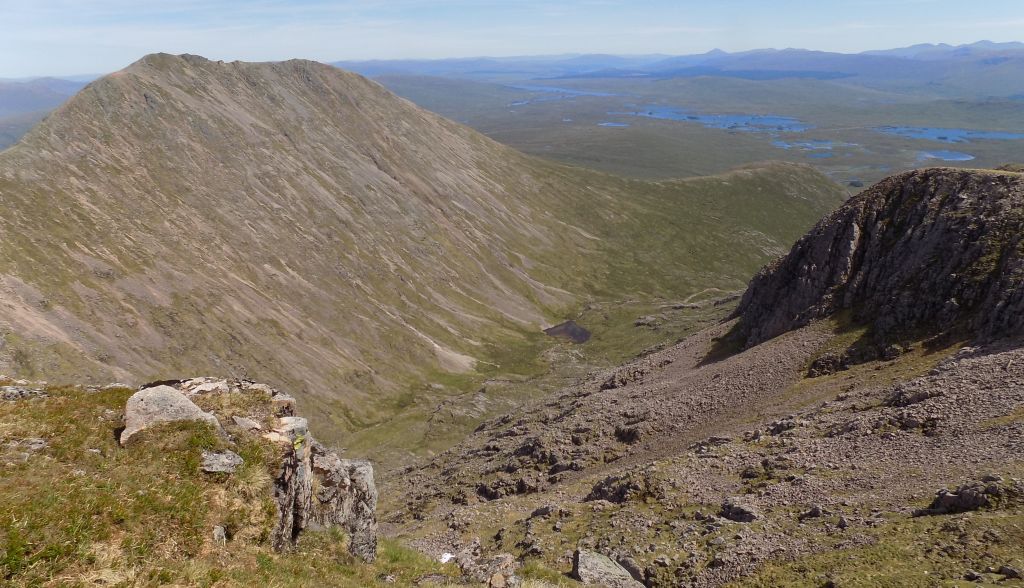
269	220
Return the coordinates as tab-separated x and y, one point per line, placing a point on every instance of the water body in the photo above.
944	156
569	330
616	125
812	145
748	123
555	94
950	135
565	91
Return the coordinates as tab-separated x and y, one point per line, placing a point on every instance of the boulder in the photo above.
160	404
498	571
735	510
1011	572
220	462
247	423
282	405
593	569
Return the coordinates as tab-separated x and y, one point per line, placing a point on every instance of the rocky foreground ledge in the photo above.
312	486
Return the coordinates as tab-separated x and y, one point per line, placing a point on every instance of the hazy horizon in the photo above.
84	76
62	38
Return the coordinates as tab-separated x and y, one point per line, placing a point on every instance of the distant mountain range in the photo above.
20	97
978	69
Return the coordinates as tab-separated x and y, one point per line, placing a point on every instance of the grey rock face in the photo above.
160	404
594	569
220	462
932	249
346	495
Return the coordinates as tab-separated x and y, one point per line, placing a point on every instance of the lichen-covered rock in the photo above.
934	250
246	424
220	462
160	404
594	569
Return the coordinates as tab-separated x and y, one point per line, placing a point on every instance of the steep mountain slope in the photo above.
706	463
302	226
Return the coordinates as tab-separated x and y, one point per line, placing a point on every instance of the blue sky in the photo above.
61	37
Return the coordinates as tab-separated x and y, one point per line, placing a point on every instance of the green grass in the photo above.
85	510
907	553
1016	416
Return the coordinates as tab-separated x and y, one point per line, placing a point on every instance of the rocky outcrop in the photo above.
498	571
735	509
986	493
313	488
923	253
12	393
345	496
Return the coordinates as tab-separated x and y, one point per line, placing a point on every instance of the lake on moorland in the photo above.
749	123
950	135
944	156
